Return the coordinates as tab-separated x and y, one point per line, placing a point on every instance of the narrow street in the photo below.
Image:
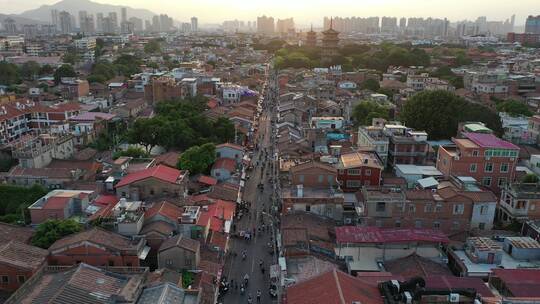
261	246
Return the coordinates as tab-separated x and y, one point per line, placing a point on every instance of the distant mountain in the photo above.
20	20
43	13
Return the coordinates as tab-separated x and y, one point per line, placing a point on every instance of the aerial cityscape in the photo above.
293	152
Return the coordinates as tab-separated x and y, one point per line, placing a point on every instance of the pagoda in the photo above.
311	38
330	43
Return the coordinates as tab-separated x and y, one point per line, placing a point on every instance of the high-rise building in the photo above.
113	16
123	14
147	26
54	18
165	23
155	24
532	25
402	23
66	22
388	24
10	26
265	25
284	25
109	26
99	22
194	24
137	24
86	23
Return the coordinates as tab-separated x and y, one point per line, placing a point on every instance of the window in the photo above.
111	263
472	168
486	181
381	207
475	153
321	178
308	208
398	224
482	226
123	194
21	279
504	167
354	172
455	225
169	262
5	279
129	264
488	167
188	262
418	224
330	179
367	182
428	208
378	223
438	207
368	172
436	225
459	208
484	210
533	206
412	208
354	184
501	182
301	178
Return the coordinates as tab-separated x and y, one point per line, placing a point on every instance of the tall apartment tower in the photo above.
66	24
194	24
54	19
532	25
123	14
265	25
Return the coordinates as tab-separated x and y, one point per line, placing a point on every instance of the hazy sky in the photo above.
306	11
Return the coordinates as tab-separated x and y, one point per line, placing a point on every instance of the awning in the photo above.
144	253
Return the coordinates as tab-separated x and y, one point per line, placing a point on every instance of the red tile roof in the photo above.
490	141
229	145
97	236
225	163
164	173
216	214
452	282
355	234
164	209
207	180
168	159
21	255
521	283
106	200
56	202
333	287
182	242
10	232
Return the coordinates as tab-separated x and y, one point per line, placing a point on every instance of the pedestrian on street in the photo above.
259	296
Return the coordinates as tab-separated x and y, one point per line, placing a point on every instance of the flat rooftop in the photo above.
479	269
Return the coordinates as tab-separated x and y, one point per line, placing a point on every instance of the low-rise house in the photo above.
179	253
223	169
519	202
82	283
489	159
413	173
166	292
18	263
313	174
153	182
372	138
359	169
59	205
481	255
305	234
98	247
327	202
20	234
516	285
368	248
230	151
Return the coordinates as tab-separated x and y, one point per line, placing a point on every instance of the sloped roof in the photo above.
520	282
10	232
416	266
182	242
208	180
21	255
164	293
97	236
161	172
356	234
225	163
164	209
333	287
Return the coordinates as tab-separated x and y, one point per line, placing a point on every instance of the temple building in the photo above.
311	38
330	42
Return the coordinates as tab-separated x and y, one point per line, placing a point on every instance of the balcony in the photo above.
514	211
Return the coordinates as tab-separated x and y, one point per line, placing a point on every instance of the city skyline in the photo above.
307	12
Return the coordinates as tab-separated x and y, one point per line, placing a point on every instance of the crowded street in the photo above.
253	249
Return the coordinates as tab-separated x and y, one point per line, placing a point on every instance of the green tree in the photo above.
148	132
66	70
9	74
439	112
30	70
71	56
364	112
152	47
530	179
49	232
370	84
14	200
514	108
197	159
131	152
46	70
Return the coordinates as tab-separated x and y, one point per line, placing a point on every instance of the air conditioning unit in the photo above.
408	297
453	298
512	159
